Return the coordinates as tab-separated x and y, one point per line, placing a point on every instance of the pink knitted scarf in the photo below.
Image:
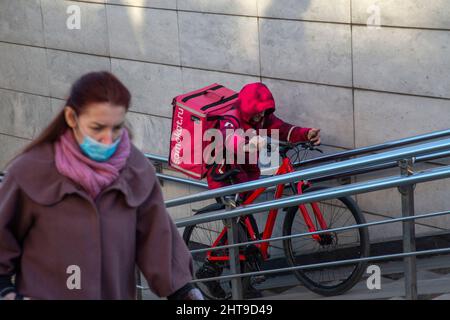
93	176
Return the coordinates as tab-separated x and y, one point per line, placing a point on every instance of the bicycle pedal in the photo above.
258	279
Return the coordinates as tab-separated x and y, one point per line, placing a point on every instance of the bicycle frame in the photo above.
285	167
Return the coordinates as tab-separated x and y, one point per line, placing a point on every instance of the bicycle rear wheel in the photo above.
334	246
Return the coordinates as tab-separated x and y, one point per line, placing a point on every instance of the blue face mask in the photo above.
98	151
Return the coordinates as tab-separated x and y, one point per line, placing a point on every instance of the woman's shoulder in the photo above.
140	177
138	158
140	163
34	172
141	166
34	160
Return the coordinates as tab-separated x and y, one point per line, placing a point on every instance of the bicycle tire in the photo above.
305	276
192	243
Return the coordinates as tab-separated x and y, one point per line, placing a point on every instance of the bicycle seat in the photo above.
226	175
210	208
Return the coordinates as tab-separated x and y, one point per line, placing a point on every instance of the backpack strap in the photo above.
198	94
224	116
221	101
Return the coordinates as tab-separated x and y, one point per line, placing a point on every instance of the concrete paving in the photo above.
433	282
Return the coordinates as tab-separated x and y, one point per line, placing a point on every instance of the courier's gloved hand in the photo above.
8	289
194	294
14	296
187	292
314	136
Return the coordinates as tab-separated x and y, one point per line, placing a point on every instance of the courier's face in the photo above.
258	117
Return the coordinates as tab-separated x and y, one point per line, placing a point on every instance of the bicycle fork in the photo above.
308	221
299	190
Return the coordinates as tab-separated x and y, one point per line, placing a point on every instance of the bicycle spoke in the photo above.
334	246
340	216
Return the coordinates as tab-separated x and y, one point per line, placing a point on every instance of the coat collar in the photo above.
35	172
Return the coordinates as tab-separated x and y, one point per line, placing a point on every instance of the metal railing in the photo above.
403	157
327	158
319	171
378	147
336	157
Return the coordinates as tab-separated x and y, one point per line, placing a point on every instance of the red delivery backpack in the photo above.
193	114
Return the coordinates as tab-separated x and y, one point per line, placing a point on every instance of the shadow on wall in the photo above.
278	39
137	21
268	36
276	8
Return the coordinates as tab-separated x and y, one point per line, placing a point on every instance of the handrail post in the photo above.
159	169
409	236
139	284
235	263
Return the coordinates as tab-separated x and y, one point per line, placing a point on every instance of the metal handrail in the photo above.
332	157
315	172
405	182
384	166
182	180
354	152
423	152
332	193
378	147
155	157
328	264
326	194
204	185
350	173
335	156
340	229
336	263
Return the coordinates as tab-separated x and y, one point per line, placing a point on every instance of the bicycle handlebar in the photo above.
286	146
283	148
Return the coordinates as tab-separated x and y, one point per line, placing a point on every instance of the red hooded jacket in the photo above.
254	98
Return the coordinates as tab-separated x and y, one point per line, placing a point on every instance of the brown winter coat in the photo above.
48	223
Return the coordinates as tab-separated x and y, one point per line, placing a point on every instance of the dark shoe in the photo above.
252	293
210	270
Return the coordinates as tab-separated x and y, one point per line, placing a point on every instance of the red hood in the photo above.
253	99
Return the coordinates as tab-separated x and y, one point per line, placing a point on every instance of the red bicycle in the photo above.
298	251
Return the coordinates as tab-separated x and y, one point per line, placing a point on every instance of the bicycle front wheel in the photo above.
204	236
331	247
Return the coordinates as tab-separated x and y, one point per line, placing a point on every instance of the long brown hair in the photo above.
92	87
